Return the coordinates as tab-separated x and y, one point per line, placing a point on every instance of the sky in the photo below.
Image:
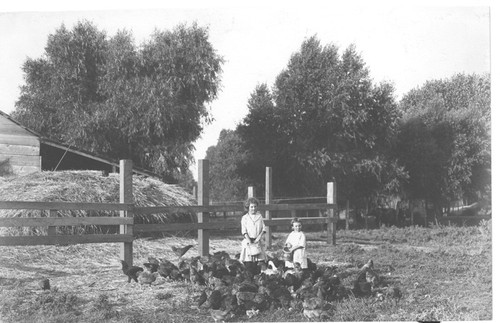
405	43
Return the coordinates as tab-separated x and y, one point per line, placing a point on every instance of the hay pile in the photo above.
92	187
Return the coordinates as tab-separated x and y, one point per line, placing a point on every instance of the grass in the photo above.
444	273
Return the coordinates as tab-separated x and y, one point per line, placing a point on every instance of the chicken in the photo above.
146	278
195	277
314	314
233	265
180	251
394	293
202	299
372	278
166	268
219	315
214	300
131	271
44	284
229	302
251	313
270	269
367	274
313	307
152	267
153	260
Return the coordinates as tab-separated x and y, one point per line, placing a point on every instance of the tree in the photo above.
324	118
109	96
226	184
445	139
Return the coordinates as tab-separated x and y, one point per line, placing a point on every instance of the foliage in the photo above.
226	184
445	139
324	118
109	96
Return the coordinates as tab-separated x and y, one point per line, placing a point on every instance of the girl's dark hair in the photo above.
251	200
295	220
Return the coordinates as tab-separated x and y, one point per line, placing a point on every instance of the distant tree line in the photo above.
324	118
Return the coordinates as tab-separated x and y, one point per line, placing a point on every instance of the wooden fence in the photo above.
128	230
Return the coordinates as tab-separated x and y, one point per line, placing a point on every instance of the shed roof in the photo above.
77	151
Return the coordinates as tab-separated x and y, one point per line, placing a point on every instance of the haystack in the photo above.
92	187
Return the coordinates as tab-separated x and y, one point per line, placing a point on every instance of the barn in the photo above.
23	151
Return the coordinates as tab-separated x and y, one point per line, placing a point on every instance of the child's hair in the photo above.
295	220
251	200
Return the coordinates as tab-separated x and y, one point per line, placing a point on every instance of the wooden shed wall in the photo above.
19	149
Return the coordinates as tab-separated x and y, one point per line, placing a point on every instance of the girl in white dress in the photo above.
252	229
296	244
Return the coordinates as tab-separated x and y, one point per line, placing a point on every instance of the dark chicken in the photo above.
44	284
180	251
132	272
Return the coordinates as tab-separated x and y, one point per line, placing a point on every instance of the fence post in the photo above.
269	196
331	198
126	196
203	199
347	215
51	231
410	203
251	191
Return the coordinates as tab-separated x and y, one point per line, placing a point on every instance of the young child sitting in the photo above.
296	245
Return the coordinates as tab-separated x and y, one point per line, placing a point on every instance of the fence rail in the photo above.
65	206
64	239
66	221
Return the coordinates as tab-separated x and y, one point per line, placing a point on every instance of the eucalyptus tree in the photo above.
148	103
445	139
324	118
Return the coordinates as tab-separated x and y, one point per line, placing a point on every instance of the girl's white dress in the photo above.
299	255
252	225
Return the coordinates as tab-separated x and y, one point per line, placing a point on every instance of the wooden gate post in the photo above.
347	215
269	196
331	198
203	199
251	192
126	196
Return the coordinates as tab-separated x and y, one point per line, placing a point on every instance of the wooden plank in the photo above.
214	225
14	130
311	220
331	197
5	120
10	149
268	199
52	230
20	160
22	205
126	196
22	170
463	217
152	210
56	221
251	192
20	140
64	239
142	228
231	208
203	200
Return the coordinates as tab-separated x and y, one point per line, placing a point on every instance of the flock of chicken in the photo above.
234	289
